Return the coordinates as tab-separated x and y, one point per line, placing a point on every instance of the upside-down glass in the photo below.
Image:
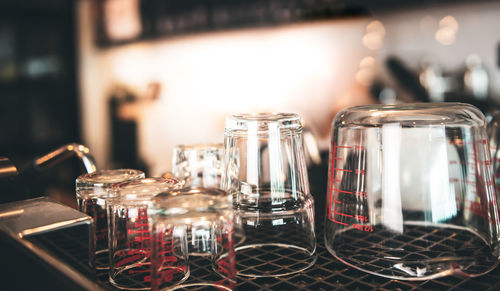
198	165
265	172
493	131
129	211
411	194
91	195
179	211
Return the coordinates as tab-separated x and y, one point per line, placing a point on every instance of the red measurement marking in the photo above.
333	163
455	180
134	231
169	260
362	194
476	209
338	222
342	147
361	172
225	267
330	216
341	191
342	170
134	252
129	259
361	218
367	228
358	147
167	275
482	141
130	271
358	226
343	214
487	163
336	180
167	252
142	238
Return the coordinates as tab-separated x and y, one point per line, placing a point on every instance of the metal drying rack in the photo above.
330	274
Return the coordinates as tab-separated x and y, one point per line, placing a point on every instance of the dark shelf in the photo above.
163	19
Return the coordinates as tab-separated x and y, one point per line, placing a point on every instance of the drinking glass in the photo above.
129	211
493	131
177	211
198	165
91	195
411	194
265	172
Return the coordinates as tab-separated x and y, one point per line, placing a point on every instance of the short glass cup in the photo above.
177	211
201	165
129	211
91	196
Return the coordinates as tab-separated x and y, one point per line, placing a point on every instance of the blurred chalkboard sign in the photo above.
123	21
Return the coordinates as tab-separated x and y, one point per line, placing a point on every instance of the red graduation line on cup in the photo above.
342	191
343	214
332	219
342	170
333	163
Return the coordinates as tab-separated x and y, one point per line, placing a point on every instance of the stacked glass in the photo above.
92	192
265	172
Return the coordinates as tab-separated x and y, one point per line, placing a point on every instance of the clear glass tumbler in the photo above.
198	165
411	193
265	172
493	131
201	165
91	195
129	211
179	211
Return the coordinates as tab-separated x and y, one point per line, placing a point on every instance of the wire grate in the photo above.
421	250
330	274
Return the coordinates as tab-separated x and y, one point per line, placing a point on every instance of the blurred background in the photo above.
131	79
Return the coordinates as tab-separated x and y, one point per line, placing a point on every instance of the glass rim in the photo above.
263	122
412	114
162	199
107	178
199	146
411	106
181	204
142	189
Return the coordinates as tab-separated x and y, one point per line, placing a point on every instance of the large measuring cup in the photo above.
411	193
493	131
